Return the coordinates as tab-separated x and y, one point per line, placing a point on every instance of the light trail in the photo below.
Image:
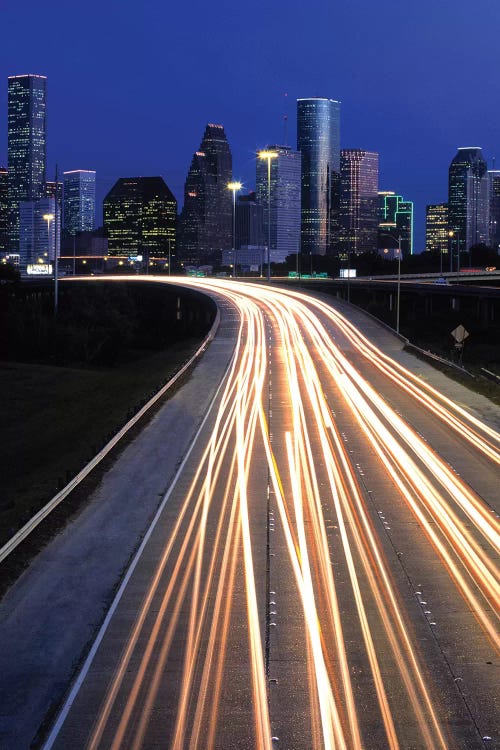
210	557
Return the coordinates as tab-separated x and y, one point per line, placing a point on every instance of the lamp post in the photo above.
398	294
451	235
48	218
234	187
399	284
268	155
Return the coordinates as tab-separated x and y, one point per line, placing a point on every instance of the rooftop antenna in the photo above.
285	121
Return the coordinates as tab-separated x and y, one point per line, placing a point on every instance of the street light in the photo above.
235	187
48	218
450	235
268	155
399	284
398	296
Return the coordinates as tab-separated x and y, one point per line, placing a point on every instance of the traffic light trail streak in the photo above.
207	572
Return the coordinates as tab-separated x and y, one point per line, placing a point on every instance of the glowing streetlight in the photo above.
48	218
267	154
235	187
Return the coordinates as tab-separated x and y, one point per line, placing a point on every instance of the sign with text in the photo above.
39	269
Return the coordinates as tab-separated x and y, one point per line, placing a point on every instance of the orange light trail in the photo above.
210	552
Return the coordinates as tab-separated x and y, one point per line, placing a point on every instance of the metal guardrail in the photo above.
26	530
490	375
426	354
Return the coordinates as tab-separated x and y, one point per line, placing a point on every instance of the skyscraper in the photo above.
284	200
318	140
140	217
4	206
358	201
206	219
396	219
79	201
436	229
26	146
249	221
494	200
468	198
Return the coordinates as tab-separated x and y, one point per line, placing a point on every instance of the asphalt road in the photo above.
323	572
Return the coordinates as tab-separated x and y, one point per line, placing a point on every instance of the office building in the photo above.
37	231
4	208
206	222
358	201
494	208
140	216
396	219
468	207
436	229
249	223
318	140
26	146
285	192
79	201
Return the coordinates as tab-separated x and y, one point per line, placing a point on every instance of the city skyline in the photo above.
399	110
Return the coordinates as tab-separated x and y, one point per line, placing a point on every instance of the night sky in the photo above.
132	85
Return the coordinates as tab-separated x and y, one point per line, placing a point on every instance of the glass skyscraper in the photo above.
4	206
284	203
318	140
468	209
206	219
494	199
358	201
26	146
79	201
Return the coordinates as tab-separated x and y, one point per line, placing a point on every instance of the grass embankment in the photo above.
54	420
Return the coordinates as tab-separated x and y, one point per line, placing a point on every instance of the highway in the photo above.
324	570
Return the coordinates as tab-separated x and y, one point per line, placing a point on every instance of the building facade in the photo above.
358	201
468	205
249	222
437	239
140	216
494	208
79	201
396	219
318	140
4	210
285	201
26	146
39	231
206	218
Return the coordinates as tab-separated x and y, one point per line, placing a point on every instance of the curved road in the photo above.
324	571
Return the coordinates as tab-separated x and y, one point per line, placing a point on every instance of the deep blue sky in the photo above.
132	85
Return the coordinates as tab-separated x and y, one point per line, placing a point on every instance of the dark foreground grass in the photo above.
53	420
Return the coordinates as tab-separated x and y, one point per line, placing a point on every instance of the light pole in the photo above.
48	218
234	187
399	284
349	273
451	235
268	155
398	294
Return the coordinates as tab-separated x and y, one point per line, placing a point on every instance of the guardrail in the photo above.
26	530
